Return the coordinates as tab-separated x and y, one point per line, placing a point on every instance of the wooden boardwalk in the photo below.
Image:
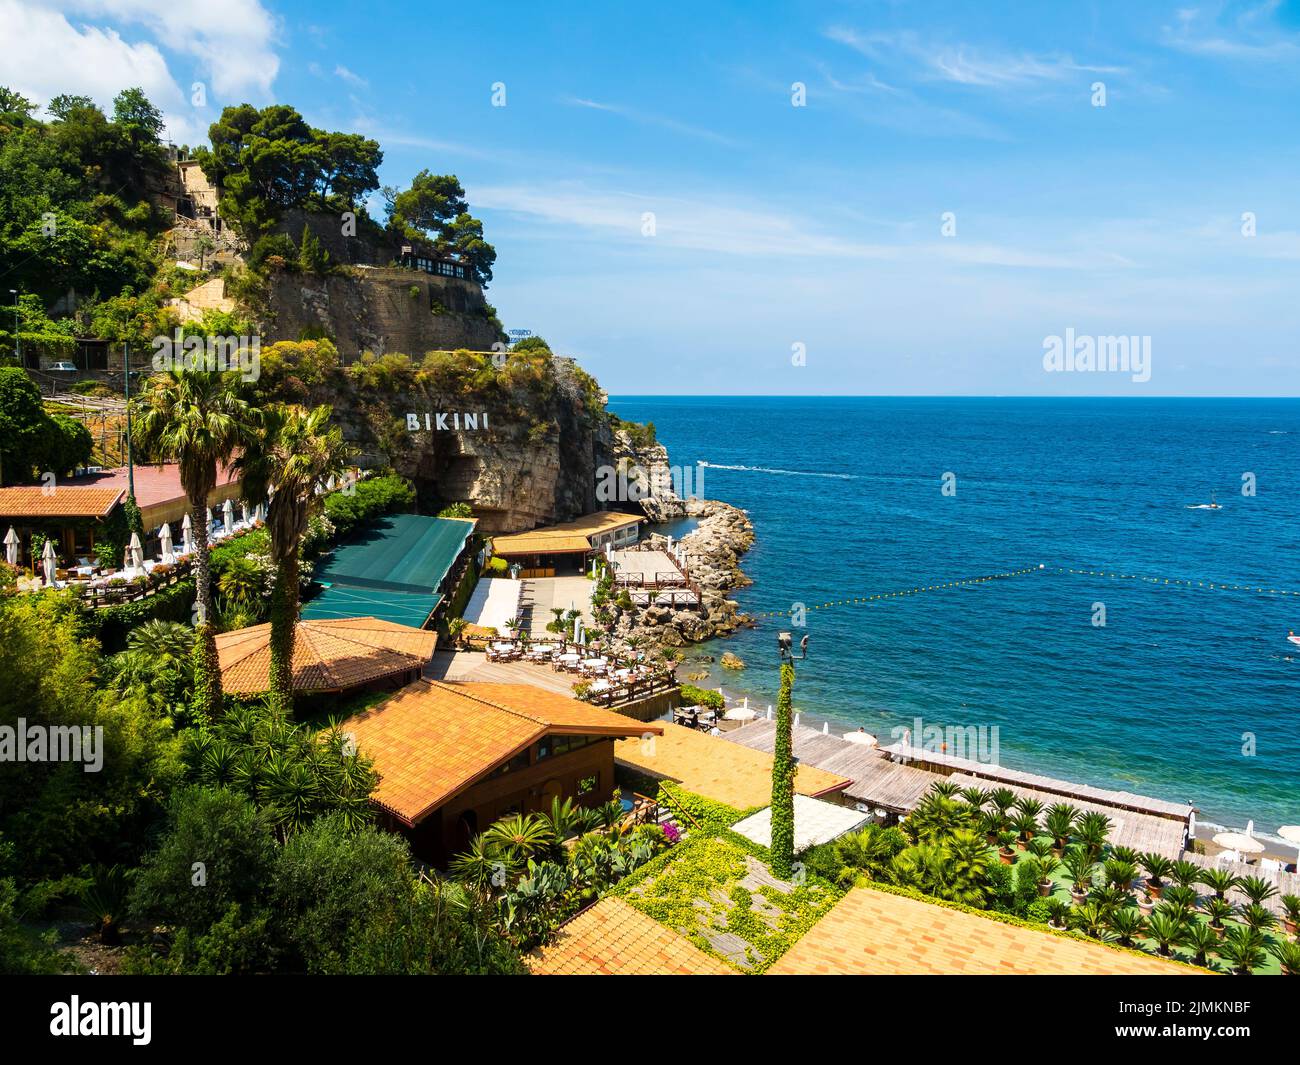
1287	883
1138	821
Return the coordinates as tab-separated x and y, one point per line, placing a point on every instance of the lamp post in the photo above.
783	765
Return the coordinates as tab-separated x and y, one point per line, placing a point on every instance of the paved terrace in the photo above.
877	932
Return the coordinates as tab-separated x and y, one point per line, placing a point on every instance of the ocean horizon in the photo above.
1148	681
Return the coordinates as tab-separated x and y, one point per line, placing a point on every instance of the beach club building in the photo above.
73	511
565	548
454	758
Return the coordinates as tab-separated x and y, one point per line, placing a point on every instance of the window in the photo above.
518	762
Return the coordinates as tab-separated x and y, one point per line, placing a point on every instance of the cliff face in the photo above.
381	309
535	463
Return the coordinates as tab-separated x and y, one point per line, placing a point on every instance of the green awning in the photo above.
345	601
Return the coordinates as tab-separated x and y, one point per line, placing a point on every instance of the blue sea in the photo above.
1163	699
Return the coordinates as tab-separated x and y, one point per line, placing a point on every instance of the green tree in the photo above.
295	450
197	419
783	770
139	120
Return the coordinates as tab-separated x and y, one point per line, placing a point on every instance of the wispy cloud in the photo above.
350	77
646	119
1250	35
964	64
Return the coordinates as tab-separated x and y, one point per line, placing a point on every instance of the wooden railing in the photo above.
631	691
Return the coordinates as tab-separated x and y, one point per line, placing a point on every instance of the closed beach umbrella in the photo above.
11	547
227	515
137	555
165	538
211	519
243	511
50	563
187	534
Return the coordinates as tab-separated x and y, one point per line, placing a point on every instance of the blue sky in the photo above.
820	225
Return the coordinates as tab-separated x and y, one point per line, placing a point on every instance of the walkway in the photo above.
540	594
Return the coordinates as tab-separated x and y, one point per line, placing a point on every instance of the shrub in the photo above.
369	499
693	696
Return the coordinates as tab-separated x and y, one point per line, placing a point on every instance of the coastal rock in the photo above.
732	661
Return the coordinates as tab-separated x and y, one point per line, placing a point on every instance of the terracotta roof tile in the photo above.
614	939
568	536
328	654
432	740
66	501
875	932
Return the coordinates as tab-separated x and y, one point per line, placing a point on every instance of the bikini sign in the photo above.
443	422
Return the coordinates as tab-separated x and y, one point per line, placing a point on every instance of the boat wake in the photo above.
782	473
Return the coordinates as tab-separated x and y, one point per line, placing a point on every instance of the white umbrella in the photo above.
243	511
259	513
1291	833
865	738
227	515
11	547
168	551
187	534
1239	841
740	713
51	563
211	519
136	553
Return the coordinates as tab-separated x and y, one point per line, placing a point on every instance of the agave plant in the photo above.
1158	868
1257	889
1220	881
1288	956
1165	928
1059	822
1201	940
1127	924
1242	948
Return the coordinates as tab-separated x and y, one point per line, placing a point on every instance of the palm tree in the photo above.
1079	865
1028	805
294	451
104	899
1165	928
1026	824
1125	854
1242	948
1091	918
240	586
1218	910
1257	889
161	639
1092	829
524	835
1119	873
1158	867
1288	956
1182	896
974	796
1002	799
1220	881
1127	924
1259	917
1186	873
1059	823
197	419
482	867
1201	940
456	630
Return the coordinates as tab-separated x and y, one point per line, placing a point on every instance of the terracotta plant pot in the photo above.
1290	926
1044	888
1154	890
1007	855
1079	897
1218	930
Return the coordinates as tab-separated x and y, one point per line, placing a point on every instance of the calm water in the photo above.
845	498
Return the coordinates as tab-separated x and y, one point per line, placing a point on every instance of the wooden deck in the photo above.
1138	821
1287	883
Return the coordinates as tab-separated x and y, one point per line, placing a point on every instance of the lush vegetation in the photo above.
32	442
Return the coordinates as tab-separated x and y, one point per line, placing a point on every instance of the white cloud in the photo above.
233	47
645	119
1250	35
350	77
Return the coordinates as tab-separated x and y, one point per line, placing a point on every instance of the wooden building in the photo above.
565	548
454	758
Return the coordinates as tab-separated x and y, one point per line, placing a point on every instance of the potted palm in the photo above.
1220	881
1058	914
1091	919
1165	927
1259	917
1002	799
1257	889
1127	924
1158	868
1218	910
1201	940
1027	827
1059	823
1007	852
1181	896
1242	948
1091	831
1125	854
1288	956
1047	865
1119	873
1185	873
1291	911
1079	865
1040	847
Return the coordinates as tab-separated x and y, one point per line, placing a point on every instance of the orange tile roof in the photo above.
875	932
153	484
432	740
569	536
66	501
328	654
718	769
614	939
